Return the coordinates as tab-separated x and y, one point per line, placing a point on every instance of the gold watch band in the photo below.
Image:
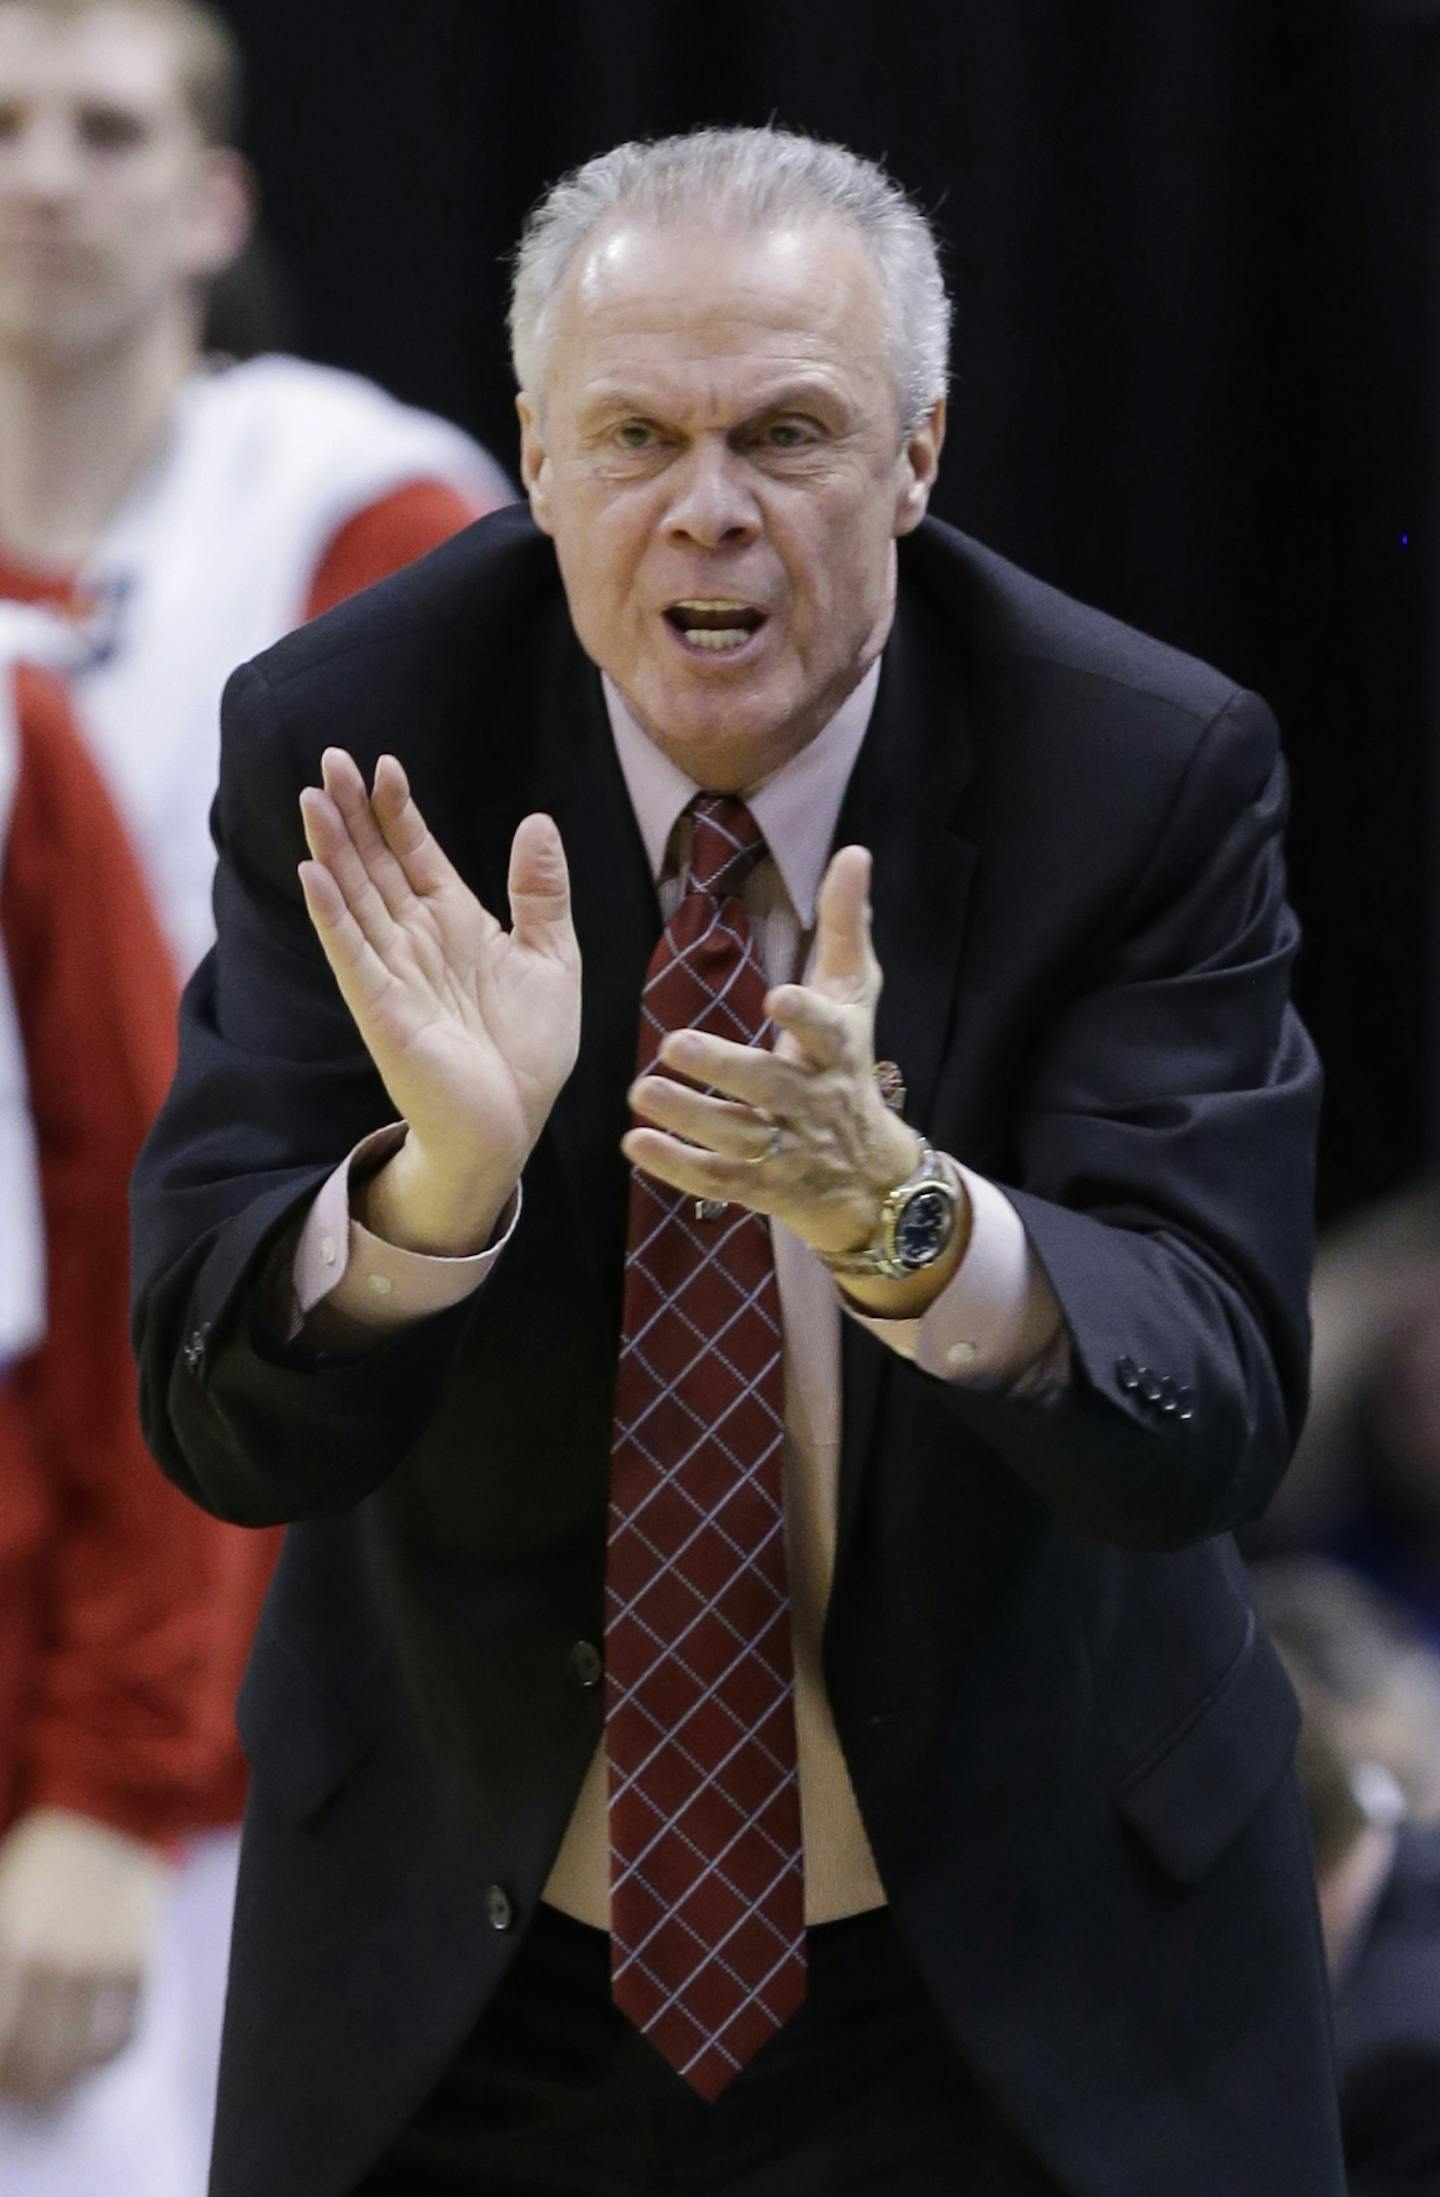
885	1257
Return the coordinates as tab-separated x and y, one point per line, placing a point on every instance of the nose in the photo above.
712	504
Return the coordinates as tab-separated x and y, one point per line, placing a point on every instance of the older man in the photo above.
758	1696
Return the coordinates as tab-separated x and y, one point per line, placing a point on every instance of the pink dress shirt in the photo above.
997	1322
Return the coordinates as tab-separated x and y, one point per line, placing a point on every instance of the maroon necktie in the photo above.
707	1927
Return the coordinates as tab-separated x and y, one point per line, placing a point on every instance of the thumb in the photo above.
539	887
844	965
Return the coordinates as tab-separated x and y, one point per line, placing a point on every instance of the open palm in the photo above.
473	1028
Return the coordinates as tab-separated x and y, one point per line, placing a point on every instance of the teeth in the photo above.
700	602
715	637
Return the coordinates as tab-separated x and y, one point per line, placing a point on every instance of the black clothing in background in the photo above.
1387	2033
1195	364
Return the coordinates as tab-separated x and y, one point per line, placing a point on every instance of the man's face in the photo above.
111	208
717	453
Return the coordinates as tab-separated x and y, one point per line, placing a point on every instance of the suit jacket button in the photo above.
587	1665
194	1350
1127	1373
499	1910
1150	1388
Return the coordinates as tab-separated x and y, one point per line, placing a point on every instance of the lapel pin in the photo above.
891	1085
709	1209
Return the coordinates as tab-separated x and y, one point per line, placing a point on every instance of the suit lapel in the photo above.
902	803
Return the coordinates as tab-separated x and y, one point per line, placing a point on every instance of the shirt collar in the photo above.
797	807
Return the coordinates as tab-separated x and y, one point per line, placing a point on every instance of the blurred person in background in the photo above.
113	1722
174	513
180	513
1369	1763
1365	1484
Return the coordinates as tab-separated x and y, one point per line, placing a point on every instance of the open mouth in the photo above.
715	624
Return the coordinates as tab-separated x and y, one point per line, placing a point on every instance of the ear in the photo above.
222	214
919	464
534	464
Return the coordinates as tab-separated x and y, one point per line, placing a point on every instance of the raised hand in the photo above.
473	1028
800	1132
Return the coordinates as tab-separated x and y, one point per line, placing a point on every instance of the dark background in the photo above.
1193	247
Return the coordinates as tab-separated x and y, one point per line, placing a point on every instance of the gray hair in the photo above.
752	178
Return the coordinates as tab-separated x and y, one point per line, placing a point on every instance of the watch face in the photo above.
923	1228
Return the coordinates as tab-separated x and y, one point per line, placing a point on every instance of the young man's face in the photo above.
112	209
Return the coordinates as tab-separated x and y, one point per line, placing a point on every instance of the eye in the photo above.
635	435
9	122
110	129
788	434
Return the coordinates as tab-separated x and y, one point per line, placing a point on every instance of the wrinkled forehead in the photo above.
702	289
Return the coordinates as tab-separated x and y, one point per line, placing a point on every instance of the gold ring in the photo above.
772	1149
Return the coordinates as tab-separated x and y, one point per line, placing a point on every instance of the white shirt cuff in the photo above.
997	1323
353	1284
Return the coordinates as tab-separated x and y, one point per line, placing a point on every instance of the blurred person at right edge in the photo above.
1365	1483
1369	1764
113	1717
174	513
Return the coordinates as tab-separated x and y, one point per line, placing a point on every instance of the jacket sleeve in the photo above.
273	1089
1165	1161
1162	1140
127	1717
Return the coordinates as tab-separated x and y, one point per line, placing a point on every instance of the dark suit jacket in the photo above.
1069	1745
1387	2032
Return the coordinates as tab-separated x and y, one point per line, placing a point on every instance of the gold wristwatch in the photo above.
917	1224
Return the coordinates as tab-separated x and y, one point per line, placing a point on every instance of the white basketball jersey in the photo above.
211	559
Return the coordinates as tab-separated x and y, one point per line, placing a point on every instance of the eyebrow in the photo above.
607	399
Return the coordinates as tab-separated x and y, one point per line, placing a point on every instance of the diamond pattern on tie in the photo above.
707	1890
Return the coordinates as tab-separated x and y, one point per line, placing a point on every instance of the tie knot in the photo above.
728	843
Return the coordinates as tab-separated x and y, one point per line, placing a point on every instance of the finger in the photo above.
62	2032
77	2024
427	867
826	1033
844	963
735	1132
357	968
327	835
106	2021
341	778
750	1073
699	1174
41	2058
539	888
16	2073
12	1999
